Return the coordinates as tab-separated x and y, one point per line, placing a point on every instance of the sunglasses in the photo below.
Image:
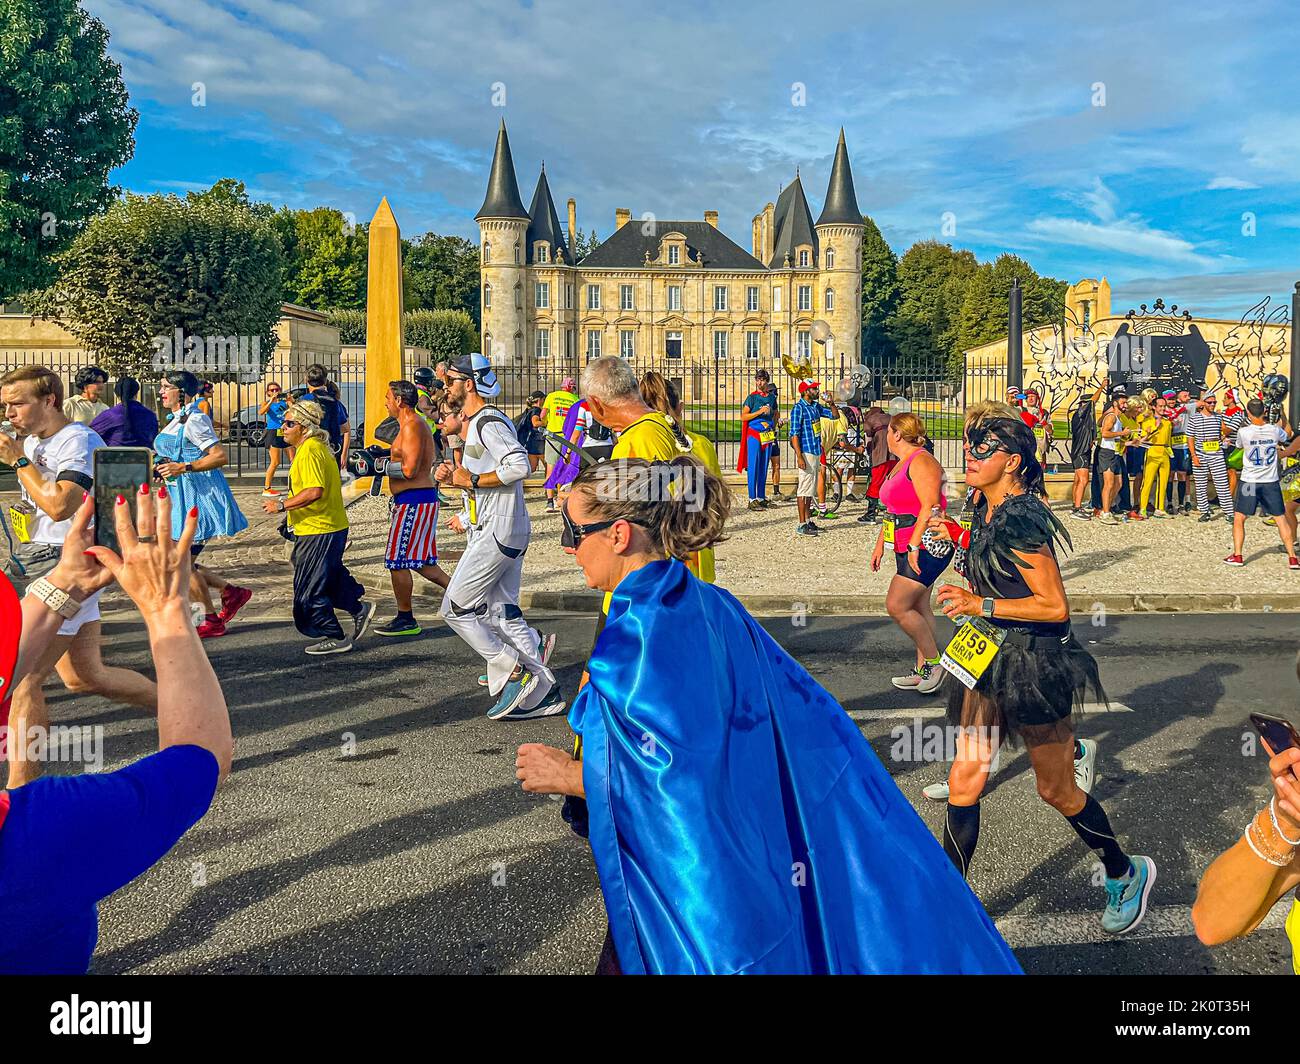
289	424
573	534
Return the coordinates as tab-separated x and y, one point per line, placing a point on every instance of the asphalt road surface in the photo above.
373	823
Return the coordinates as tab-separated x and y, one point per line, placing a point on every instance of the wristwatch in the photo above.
283	508
22	462
189	467
55	598
473	481
986	609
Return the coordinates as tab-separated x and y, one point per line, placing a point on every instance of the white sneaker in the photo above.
908	682
1085	768
936	792
931	678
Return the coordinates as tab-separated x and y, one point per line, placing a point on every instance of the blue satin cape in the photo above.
739	820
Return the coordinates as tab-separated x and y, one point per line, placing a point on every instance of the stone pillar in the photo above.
383	314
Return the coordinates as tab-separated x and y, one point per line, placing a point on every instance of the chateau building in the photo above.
670	291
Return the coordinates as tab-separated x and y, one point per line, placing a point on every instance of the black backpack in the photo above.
524	425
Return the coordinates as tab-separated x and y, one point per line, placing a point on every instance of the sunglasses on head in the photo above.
572	534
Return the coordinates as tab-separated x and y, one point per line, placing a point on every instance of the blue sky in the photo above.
986	113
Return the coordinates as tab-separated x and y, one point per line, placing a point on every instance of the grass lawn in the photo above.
943	426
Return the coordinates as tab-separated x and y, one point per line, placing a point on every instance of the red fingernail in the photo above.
194	511
89	554
144	489
85	495
162	492
120	500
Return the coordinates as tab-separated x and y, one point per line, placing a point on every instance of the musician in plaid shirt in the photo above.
806	441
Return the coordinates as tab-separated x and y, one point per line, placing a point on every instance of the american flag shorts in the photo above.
413	534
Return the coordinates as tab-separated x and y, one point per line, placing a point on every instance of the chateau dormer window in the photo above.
830	258
803	258
674	255
541	251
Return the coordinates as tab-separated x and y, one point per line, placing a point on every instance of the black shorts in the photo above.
931	567
1180	461
1250	497
275	438
196	549
1111	462
1081	454
1135	458
537	445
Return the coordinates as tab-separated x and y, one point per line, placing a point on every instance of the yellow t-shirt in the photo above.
1293	933
314	466
649	437
558	403
701	563
1161	437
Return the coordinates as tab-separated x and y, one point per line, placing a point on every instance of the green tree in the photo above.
442	273
325	258
983	316
880	292
584	244
65	122
209	265
350	323
444	333
932	280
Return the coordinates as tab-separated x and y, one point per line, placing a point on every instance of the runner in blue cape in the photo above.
739	820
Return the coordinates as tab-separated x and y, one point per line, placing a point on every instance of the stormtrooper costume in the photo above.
481	604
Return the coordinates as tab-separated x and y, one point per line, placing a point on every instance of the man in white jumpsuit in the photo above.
481	604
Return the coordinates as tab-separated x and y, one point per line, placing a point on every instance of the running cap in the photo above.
477	367
305	412
567	385
808	385
423	376
536	395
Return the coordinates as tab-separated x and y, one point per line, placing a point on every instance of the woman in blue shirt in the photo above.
68	842
757	439
272	413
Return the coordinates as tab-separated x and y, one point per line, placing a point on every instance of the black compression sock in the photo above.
961	831
1182	492
1094	828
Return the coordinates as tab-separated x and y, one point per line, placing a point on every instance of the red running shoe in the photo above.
1137	517
233	599
1293	563
212	627
1234	559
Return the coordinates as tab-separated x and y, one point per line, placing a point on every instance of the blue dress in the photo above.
219	514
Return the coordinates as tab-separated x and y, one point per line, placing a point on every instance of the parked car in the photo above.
248	426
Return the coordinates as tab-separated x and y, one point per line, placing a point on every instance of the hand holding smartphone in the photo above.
118	471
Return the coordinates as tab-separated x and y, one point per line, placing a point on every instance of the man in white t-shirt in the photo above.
55	466
1262	448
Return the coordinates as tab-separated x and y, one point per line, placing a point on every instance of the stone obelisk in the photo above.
384	345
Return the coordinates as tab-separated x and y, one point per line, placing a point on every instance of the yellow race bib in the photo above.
764	438
965	524
471	503
972	650
1210	447
20	518
889	533
1179	440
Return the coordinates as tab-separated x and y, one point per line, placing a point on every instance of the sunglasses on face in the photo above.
982	444
290	424
573	534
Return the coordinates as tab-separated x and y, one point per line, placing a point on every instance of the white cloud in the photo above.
1229	182
1122	236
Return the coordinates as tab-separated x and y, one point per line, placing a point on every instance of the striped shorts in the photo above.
413	534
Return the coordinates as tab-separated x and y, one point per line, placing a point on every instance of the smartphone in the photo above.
1278	732
118	471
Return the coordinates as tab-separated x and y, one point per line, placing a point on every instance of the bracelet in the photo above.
1277	860
1272	814
283	507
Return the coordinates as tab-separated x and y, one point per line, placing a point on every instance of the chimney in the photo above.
621	217
756	235
769	233
573	223
712	218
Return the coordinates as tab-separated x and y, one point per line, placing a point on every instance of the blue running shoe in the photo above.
1126	898
549	706
514	692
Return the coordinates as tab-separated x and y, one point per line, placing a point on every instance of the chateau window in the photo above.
516	254
751	345
803	344
674	297
568	297
519	347
803	258
776	301
719	297
751	297
543	295
719	344
593	345
519	297
625	297
487	347
543	343
487	295
830	258
487	251
805	297
627	343
674	255
776	346
541	251
568	343
673	345
830	299
593	297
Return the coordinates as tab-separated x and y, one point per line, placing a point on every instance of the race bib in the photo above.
965	523
21	519
1179	440
471	503
1040	433
1210	447
972	650
764	438
889	533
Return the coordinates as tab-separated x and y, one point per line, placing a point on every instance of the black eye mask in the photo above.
989	437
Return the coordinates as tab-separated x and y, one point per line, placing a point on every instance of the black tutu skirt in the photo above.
1030	691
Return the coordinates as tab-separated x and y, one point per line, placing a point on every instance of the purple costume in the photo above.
566	472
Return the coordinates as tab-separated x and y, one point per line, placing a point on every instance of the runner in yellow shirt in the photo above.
555	408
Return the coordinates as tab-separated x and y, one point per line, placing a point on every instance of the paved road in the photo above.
419	853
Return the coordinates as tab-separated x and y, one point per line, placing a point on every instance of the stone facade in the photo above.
668	293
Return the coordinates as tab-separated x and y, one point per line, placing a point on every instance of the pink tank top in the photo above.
898	496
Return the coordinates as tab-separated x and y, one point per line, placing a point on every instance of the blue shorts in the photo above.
1135	458
413	534
1250	497
1180	461
931	566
